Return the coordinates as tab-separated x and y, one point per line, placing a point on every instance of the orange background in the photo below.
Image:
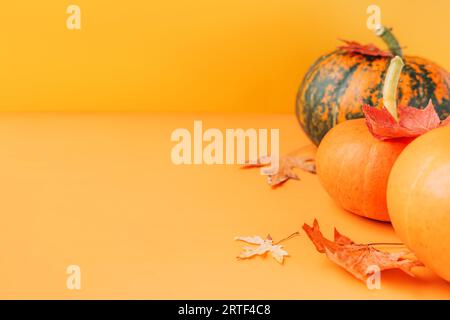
100	191
190	55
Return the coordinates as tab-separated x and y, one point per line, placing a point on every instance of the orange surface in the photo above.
100	191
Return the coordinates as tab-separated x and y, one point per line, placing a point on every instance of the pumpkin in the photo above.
339	83
418	199
354	168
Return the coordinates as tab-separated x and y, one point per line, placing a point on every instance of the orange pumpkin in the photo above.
354	168
418	198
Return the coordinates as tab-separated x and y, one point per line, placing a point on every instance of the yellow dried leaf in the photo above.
264	246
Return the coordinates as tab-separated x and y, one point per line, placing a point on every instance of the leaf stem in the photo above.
297	233
386	244
390	86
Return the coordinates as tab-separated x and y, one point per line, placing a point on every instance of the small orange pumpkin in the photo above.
354	168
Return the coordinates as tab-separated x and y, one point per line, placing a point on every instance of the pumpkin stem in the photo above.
390	86
390	40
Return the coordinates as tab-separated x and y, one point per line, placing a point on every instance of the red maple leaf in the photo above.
368	49
357	258
412	122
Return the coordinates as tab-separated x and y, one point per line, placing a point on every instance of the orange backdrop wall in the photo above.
196	55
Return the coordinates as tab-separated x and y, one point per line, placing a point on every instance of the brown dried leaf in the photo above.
357	258
303	158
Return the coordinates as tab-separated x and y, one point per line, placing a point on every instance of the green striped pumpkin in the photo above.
339	83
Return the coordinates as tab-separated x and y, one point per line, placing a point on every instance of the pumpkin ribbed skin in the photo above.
338	84
419	200
354	168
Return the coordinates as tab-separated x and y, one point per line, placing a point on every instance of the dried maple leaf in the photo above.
264	246
412	122
368	50
303	158
357	258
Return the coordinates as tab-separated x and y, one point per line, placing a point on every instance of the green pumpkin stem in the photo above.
390	86
390	40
